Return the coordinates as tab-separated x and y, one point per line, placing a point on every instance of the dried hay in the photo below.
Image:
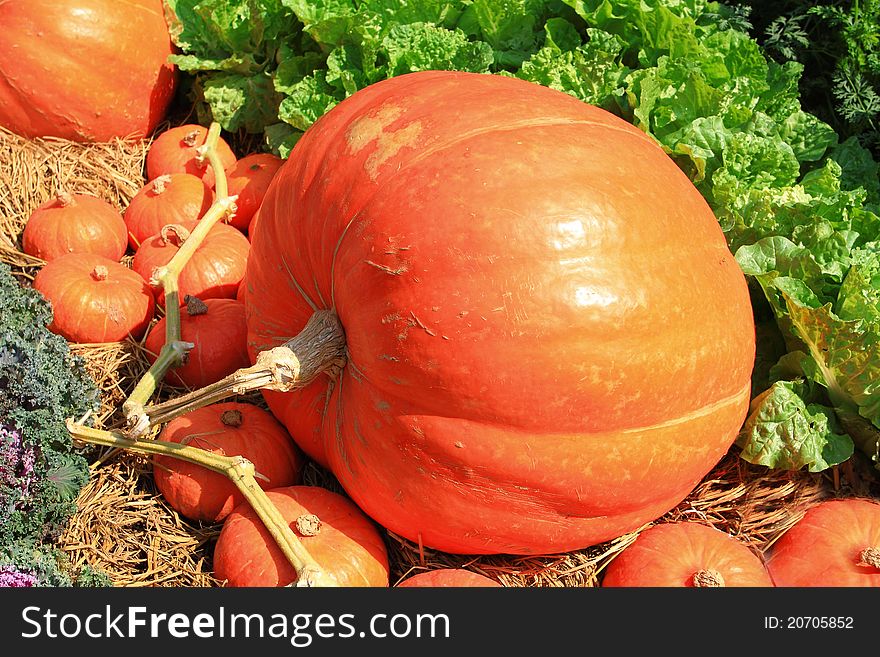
124	527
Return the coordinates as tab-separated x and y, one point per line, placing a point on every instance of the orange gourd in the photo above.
335	532
75	223
215	269
447	578
218	329
95	299
175	198
836	544
686	554
232	429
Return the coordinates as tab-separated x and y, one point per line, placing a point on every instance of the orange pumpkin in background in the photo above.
528	290
176	150
176	198
249	179
84	70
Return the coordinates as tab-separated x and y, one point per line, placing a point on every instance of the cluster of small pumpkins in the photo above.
83	240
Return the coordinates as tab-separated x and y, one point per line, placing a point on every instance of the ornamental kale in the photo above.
41	473
17	476
11	577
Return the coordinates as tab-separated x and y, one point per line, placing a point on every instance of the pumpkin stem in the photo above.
232	418
241	472
181	234
65	199
194	305
191	138
318	349
100	273
708	577
160	183
870	557
308	524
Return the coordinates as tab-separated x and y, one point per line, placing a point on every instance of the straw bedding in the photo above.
124	527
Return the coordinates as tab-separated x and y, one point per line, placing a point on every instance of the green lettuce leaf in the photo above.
784	432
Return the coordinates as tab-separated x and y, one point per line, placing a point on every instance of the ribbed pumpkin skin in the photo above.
215	270
220	339
180	198
824	547
348	545
84	70
75	223
670	554
88	310
549	341
199	494
248	180
447	577
170	152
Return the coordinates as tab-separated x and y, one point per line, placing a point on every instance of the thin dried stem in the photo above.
240	471
174	351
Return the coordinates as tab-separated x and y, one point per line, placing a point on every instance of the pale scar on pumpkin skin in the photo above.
372	127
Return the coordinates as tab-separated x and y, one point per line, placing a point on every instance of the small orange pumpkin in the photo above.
447	577
218	329
233	429
75	223
249	179
215	270
177	151
169	199
340	537
686	554
836	543
95	299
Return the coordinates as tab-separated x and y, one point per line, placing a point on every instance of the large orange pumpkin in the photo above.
548	340
84	70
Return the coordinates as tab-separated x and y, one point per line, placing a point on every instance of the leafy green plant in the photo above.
41	473
837	43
